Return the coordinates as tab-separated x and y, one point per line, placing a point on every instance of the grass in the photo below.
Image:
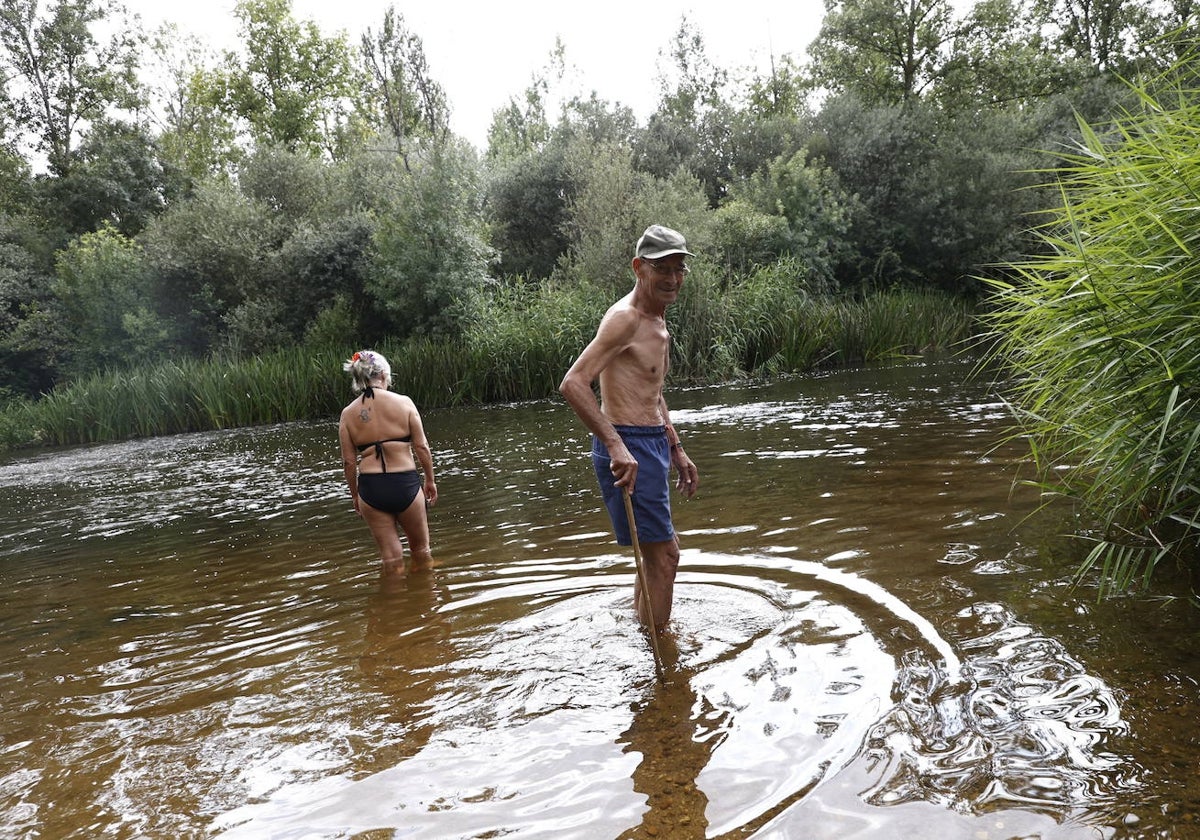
523	341
1103	330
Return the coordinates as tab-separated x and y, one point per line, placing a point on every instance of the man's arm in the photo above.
688	480
616	330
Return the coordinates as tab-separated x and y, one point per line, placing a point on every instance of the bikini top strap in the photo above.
379	454
378	444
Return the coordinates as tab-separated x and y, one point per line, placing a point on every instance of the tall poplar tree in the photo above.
403	99
292	85
60	77
884	51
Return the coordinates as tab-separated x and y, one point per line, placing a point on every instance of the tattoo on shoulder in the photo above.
364	415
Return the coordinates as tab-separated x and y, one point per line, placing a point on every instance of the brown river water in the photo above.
875	636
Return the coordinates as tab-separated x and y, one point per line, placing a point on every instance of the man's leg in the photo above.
660	561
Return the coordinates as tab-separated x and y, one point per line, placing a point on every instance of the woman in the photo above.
380	432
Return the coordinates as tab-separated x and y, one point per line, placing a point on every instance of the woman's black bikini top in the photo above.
368	391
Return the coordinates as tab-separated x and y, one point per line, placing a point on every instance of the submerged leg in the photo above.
416	530
661	561
387	537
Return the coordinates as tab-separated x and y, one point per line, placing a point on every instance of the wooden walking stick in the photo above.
641	575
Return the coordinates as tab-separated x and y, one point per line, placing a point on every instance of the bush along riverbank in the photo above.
520	344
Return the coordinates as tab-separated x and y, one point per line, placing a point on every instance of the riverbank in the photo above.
517	350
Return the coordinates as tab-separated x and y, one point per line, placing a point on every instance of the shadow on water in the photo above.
872	638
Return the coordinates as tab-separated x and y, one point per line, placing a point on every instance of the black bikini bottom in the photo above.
390	492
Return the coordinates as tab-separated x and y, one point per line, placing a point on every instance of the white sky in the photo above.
485	51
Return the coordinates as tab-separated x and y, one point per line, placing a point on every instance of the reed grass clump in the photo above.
173	396
774	325
524	338
520	341
1103	330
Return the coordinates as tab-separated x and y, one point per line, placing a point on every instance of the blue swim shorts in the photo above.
651	491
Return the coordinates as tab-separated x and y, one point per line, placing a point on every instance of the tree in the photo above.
292	84
115	179
528	184
603	213
16	182
691	126
28	350
320	262
782	93
196	135
402	98
885	51
323	269
292	186
611	205
773	121
208	255
522	126
939	197
1002	57
102	285
1177	22
431	257
698	83
527	211
1101	34
60	78
816	209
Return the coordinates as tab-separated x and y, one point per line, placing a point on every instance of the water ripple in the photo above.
1030	728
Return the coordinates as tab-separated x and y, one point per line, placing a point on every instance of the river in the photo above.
875	636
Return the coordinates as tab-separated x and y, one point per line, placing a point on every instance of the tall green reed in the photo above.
1103	330
771	324
525	337
519	343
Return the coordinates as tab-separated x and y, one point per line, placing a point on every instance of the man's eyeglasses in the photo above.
663	268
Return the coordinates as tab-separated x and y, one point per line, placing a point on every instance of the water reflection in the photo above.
673	733
1034	730
406	646
864	643
770	693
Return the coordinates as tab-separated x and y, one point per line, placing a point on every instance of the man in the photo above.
634	444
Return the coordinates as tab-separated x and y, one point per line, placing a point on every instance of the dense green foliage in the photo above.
1102	327
520	347
162	200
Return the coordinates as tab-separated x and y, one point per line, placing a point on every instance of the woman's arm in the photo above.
420	446
349	462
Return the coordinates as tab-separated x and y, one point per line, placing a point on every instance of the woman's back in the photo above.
379	424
